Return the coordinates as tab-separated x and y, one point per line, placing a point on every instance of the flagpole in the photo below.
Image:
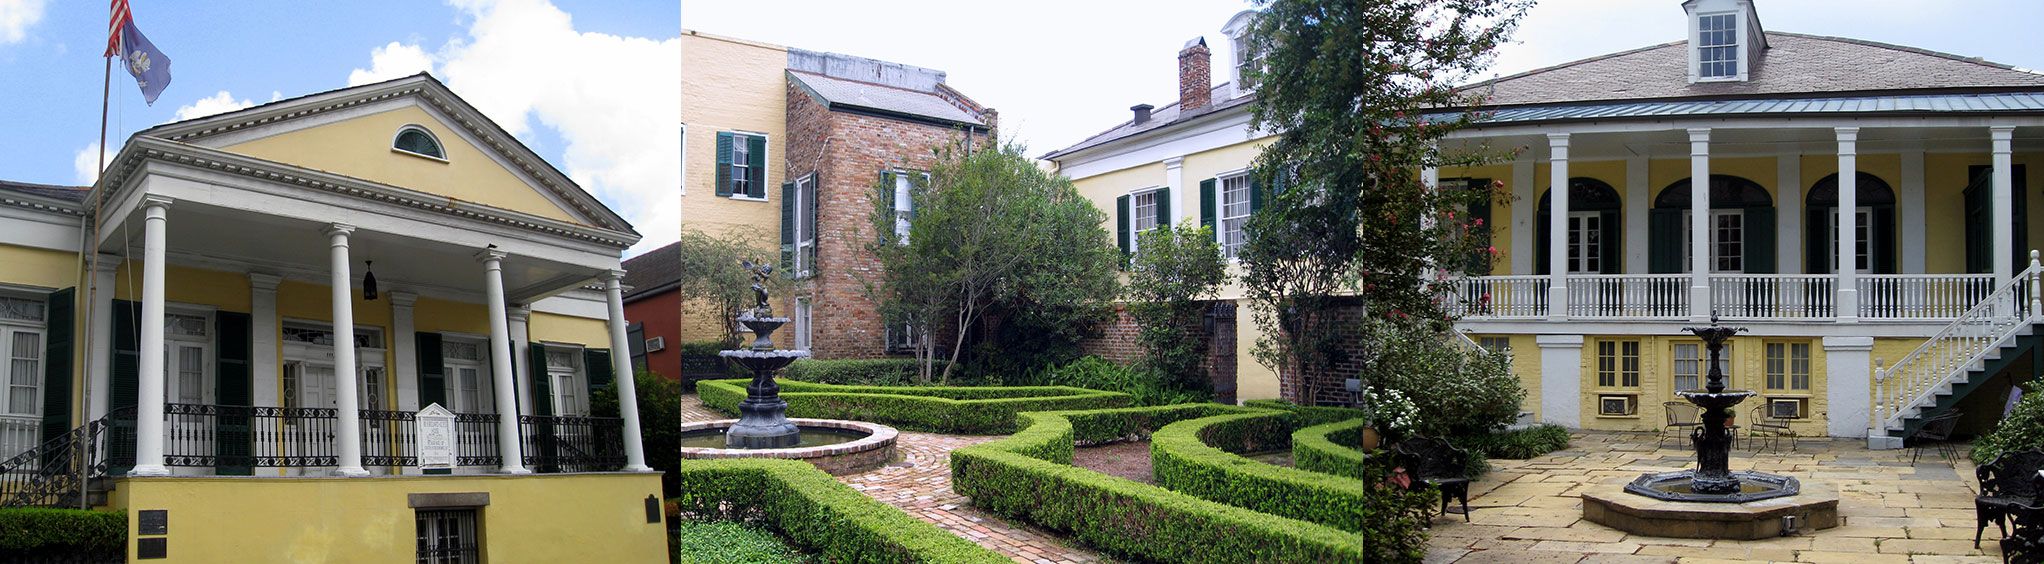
91	294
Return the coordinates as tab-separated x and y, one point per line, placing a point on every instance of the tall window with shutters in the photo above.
1143	215
904	182
21	346
1618	364
564	372
741	165
1235	210
798	228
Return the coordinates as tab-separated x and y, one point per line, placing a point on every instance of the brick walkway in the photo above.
1531	510
920	484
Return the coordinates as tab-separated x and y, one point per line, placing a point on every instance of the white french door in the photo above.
1585	242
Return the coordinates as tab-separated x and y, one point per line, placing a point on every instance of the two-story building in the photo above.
1860	323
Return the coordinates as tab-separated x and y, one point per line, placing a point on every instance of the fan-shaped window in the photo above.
1726	192
416	140
1873	225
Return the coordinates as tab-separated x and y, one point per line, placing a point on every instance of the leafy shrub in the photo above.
32	534
1194	457
1397	520
1177	269
1459	391
864	372
1309	415
719	542
1333	448
659	421
1027	476
937	409
2022	430
1092	372
813	510
1517	444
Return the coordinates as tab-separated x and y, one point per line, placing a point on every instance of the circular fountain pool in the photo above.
838	447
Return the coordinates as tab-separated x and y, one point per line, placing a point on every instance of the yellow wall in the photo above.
732	85
38	267
539	518
1746	371
431	315
360	147
551	328
1253	380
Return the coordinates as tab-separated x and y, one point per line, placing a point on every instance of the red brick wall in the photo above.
1328	386
660	314
847	152
1120	342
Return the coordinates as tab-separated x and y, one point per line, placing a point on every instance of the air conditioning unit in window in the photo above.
1786	408
1617	405
656	344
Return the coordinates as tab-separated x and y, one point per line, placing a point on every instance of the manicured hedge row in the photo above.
1309	415
1327	448
1192	457
31	534
939	409
858	371
814	510
1027	476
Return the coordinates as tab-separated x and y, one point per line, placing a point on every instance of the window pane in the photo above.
1777	365
1799	366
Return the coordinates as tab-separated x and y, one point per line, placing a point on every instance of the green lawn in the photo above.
726	542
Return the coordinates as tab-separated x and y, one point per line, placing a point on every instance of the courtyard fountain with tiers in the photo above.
1711	500
763	429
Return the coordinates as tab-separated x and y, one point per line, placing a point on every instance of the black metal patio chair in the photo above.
1768	428
2026	544
2006	481
1938	431
1439	464
1682	417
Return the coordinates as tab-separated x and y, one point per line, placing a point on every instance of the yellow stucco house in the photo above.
1933	153
361	325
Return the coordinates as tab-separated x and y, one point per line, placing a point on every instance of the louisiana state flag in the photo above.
149	66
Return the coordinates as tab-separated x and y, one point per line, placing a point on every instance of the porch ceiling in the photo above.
204	235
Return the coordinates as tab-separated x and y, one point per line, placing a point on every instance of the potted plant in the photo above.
1386	412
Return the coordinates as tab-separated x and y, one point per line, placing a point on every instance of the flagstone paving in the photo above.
920	484
1892	511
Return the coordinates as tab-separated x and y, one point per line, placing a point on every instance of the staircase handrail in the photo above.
59	464
1930	366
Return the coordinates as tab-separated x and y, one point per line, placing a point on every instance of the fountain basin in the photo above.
1753	486
1813	506
838	447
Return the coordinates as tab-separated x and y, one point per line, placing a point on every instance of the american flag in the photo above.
121	18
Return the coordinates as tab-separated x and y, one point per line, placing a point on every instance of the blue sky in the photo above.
501	55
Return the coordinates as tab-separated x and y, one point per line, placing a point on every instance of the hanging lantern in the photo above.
369	281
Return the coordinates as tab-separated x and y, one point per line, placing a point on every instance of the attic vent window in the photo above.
1717	45
416	140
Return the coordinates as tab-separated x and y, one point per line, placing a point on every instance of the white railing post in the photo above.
2036	302
1879	424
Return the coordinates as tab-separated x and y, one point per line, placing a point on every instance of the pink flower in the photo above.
1477	223
1493	249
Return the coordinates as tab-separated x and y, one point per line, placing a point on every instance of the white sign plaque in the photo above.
436	437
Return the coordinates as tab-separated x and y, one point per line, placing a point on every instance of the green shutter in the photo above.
756	160
1542	226
1611	236
122	386
1164	207
1121	226
1664	241
432	370
1255	194
1759	243
1208	204
1885	249
234	450
57	356
536	376
1817	246
597	363
788	229
723	163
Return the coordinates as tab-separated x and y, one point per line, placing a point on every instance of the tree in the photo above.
1174	270
1361	93
994	244
710	275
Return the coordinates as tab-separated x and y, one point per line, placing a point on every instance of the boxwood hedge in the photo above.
1027	476
1326	448
938	409
814	510
1309	415
36	534
1194	457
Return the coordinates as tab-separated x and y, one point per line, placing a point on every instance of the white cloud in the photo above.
16	16
219	103
392	61
85	163
613	100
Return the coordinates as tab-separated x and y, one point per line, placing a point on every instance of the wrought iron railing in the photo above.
572	443
240	436
388	438
475	440
56	472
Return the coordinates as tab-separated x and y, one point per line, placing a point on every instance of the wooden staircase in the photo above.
1958	359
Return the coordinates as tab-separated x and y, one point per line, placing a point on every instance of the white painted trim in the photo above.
583	303
1848	376
1561	385
1174	178
1910	218
1637	201
1203	134
1523	216
436	143
1812	122
100	366
405	349
519	322
39	229
1788	219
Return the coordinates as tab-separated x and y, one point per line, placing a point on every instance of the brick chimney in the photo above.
1195	82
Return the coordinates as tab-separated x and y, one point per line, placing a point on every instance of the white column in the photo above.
1524	195
1637	199
102	351
1849	372
621	372
1561	381
1699	225
508	444
405	348
149	385
1788	220
348	434
1174	178
1910	224
1557	231
1846	261
263	362
2004	218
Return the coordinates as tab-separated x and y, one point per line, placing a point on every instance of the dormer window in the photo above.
1717	46
1244	58
416	140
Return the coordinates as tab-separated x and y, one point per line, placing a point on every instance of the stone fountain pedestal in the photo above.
763	416
1816	507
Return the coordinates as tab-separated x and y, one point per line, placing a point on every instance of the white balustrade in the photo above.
1628	295
1497	297
18	434
1911	384
1921	296
1773	296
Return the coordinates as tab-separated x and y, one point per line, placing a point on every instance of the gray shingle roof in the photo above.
61	193
837	92
1794	64
1223	97
653	272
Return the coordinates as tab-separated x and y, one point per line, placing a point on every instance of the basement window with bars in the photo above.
448	536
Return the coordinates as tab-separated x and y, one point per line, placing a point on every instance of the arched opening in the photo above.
1595	228
416	140
1741	225
1873	226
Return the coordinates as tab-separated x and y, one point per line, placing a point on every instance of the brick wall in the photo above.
847	152
1119	341
1328	386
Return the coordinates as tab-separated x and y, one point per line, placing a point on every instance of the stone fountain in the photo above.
763	429
1711	500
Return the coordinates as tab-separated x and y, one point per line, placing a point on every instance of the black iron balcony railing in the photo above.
387	438
234	438
572	443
